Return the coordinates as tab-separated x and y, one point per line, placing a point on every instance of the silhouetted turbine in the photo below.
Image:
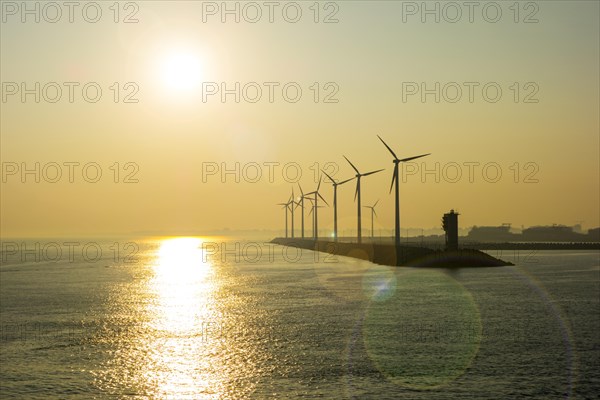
312	219
357	194
312	209
291	204
315	207
335	185
396	180
373	214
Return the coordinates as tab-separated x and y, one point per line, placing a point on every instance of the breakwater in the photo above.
388	254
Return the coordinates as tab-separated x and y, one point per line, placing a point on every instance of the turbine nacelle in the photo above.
397	162
333	181
359	175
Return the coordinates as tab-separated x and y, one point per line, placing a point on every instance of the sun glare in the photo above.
182	71
180	281
182	304
181	255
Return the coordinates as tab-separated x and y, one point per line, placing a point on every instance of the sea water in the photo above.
221	318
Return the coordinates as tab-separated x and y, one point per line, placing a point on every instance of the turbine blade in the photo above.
374	212
319	185
394	177
347	180
319	194
352	165
330	178
375	203
300	187
356	192
388	147
373	172
414	158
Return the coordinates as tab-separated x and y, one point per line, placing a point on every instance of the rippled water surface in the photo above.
193	318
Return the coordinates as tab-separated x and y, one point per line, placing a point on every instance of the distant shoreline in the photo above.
535	246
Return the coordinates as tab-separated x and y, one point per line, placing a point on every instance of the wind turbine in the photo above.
335	185
316	206
285	206
357	194
291	204
312	219
310	213
396	180
312	209
373	214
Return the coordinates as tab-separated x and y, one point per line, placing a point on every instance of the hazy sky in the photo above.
541	133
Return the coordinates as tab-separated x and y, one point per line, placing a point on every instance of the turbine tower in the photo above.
373	215
301	204
291	204
285	206
396	180
357	194
312	219
312	209
335	185
315	208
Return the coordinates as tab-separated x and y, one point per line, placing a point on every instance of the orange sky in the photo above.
162	158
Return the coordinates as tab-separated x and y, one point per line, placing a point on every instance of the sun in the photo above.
182	71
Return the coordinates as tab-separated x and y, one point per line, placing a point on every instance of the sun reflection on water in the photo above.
182	355
182	285
185	327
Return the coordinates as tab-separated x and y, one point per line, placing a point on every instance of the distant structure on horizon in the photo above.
594	234
492	234
450	225
552	233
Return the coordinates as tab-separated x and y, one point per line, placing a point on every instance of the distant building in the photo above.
491	234
554	233
594	235
450	225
